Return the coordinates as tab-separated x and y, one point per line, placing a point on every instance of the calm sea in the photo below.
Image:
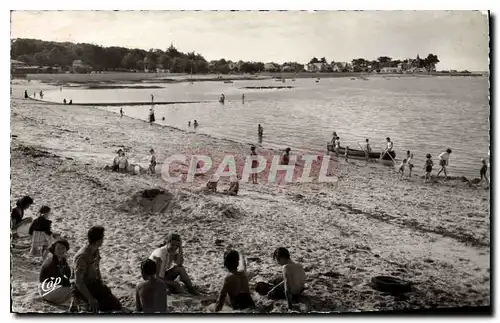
421	114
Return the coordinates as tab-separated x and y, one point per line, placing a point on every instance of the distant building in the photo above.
317	67
79	66
271	67
390	70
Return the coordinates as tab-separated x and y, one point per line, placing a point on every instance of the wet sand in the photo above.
370	223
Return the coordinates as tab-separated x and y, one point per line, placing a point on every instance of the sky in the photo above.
459	38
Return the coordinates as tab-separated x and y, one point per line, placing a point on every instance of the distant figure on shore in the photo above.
64	101
56	266
189	123
152	164
41	232
26	94
116	161
402	168
151	294
70	102
169	260
122	163
346	153
88	286
483	171
60	89
285	157
235	285
334	137
255	163
222	98
17	215
290	285
121	113
211	185
195	124
443	162
260	130
243	98
409	157
151	116
388	147
41	94
336	145
152	98
367	148
428	167
34	95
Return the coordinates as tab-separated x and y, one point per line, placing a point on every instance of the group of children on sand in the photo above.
121	164
162	272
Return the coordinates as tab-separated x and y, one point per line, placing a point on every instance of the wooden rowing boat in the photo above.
361	153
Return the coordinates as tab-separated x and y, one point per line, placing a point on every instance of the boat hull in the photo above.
360	153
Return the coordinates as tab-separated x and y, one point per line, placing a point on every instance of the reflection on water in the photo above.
421	114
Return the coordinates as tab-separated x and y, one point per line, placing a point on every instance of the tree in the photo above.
431	61
28	59
140	65
384	61
165	61
313	60
129	61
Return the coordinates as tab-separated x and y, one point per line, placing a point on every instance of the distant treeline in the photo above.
36	52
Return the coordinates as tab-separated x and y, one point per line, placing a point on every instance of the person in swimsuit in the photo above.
151	294
388	148
255	163
41	94
443	162
402	168
285	158
17	214
235	285
290	285
260	130
367	148
336	145
409	157
169	260
26	94
151	116
152	165
428	167
483	171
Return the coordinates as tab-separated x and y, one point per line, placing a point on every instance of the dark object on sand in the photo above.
151	193
262	288
390	284
360	153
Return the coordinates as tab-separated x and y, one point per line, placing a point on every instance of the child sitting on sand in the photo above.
17	214
116	161
235	285
152	165
402	168
40	232
291	285
285	158
122	162
233	187
151	294
428	167
212	185
165	257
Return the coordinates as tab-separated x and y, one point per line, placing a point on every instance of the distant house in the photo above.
79	66
390	70
286	68
271	67
317	67
337	67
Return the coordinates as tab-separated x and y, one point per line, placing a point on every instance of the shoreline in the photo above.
435	235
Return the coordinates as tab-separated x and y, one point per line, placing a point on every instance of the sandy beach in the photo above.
436	235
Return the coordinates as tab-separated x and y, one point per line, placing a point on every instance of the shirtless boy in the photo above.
151	294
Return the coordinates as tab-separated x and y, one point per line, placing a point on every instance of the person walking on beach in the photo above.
121	113
151	294
255	163
402	168
483	171
26	94
169	260
195	124
41	94
64	101
152	164
88	286
152	98
285	157
428	167
243	98
70	102
260	130
443	162
235	285
346	153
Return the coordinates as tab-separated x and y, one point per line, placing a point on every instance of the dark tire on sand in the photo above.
391	285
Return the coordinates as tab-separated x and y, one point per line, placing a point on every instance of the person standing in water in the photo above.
443	162
152	98
26	94
151	116
195	124
121	113
260	130
41	94
152	165
483	171
243	98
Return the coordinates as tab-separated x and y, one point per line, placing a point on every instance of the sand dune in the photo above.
370	223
